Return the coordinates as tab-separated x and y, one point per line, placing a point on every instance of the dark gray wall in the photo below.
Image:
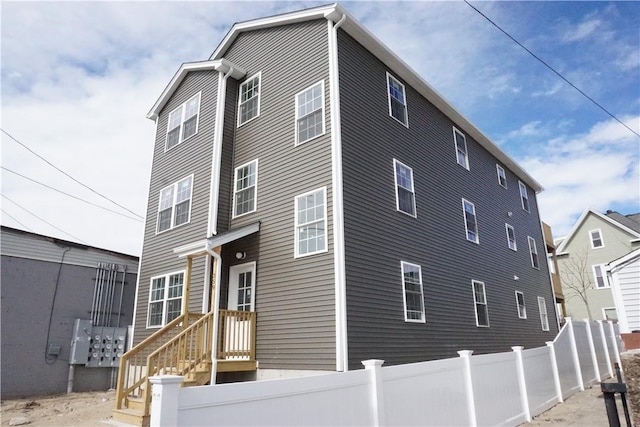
28	288
378	237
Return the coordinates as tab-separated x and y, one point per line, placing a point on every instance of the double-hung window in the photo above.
245	189
502	176
544	317
533	250
511	237
174	206
524	196
397	100
165	299
599	278
413	294
249	99
480	301
183	122
522	310
311	223
596	239
405	195
470	222
310	113
462	156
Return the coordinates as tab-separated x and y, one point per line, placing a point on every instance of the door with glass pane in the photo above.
237	327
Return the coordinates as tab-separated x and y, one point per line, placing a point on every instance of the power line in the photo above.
70	195
69	176
46	222
553	69
7	214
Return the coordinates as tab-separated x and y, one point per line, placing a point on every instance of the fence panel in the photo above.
584	353
538	374
431	393
601	357
496	390
566	366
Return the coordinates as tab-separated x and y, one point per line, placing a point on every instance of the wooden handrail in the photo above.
236	335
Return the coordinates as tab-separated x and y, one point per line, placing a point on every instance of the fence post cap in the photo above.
465	353
517	348
166	379
549	343
372	363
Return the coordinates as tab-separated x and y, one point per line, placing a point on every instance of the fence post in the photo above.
592	348
616	350
554	368
164	410
522	382
471	404
603	338
574	353
374	367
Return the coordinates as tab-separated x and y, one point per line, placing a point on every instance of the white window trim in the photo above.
515	243
182	120
475	303
404	293
524	194
475	217
413	191
522	314
604	311
544	315
235	190
601	238
457	132
602	274
324	129
504	174
406	108
164	300
533	250
173	206
296	225
259	76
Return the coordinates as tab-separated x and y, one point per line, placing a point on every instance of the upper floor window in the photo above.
502	176
165	299
174	206
470	222
183	122
245	189
311	222
599	278
413	296
480	301
596	239
524	196
249	99
397	100
462	157
310	113
544	317
511	237
534	252
522	310
405	195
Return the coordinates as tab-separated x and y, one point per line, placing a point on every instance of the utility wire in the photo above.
48	223
7	214
70	195
552	69
69	176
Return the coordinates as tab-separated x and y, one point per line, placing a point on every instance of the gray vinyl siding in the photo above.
294	297
378	237
225	193
192	156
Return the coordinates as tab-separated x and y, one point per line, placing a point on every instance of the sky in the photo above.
78	79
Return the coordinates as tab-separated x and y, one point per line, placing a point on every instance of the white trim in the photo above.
476	240
296	225
604	313
247	80
322	108
183	119
523	314
616	290
235	190
603	274
533	250
600	237
166	276
544	320
413	191
173	205
404	293
457	132
524	195
515	243
504	175
200	247
404	95
239	268
486	303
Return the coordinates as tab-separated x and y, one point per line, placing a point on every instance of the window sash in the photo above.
245	189
596	239
183	122
413	292
480	302
524	196
165	299
470	221
533	250
310	113
174	205
405	194
462	155
511	237
311	223
502	176
249	99
522	309
544	317
397	100
599	277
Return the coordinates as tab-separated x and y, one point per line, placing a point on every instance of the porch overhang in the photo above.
200	247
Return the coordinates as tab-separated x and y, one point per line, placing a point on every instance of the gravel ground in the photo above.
582	409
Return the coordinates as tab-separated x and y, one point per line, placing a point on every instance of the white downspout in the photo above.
216	316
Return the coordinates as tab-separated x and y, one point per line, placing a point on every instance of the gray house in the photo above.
48	284
323	205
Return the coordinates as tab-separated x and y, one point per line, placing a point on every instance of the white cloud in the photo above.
581	31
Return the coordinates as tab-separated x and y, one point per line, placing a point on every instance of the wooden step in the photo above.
136	403
131	416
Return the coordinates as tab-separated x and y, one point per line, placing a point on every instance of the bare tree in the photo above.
575	274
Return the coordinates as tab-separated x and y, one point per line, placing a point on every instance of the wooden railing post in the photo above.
187	289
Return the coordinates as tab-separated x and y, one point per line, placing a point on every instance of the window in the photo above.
534	253
524	197
165	299
480	300
599	278
413	296
502	176
174	206
461	148
596	239
249	100
310	113
522	310
183	122
511	238
311	223
610	313
244	192
405	195
397	100
544	317
470	223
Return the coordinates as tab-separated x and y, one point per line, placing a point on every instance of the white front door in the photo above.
237	326
242	282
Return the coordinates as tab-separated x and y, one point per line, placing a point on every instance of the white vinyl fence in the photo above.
483	390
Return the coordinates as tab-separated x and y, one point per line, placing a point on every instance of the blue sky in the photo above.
79	77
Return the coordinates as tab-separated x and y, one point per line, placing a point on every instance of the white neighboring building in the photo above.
624	278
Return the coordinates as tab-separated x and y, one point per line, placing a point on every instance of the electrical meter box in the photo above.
81	342
97	346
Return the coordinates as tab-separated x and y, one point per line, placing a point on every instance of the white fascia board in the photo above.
222	66
620	262
190	249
